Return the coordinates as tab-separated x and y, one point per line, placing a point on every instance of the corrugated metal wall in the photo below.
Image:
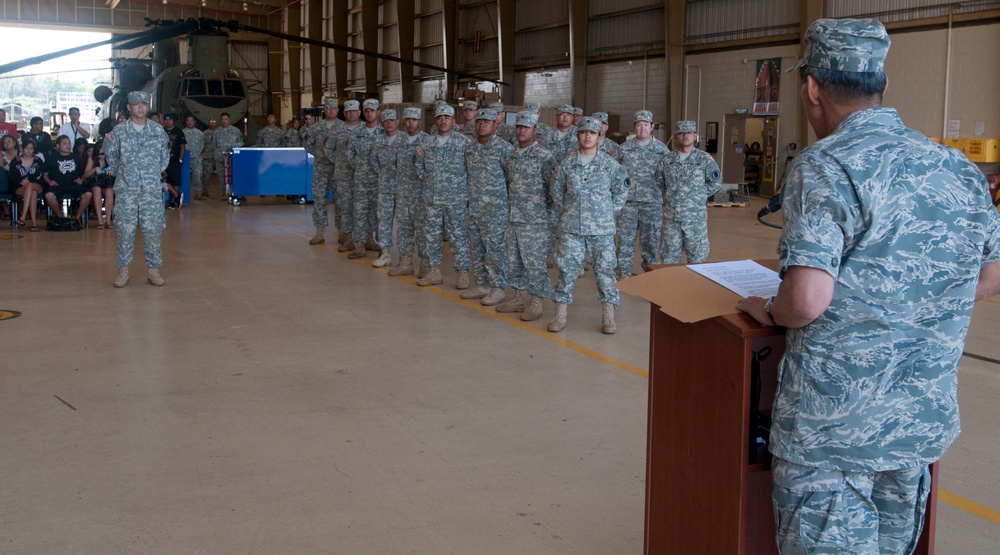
723	20
128	16
630	32
388	42
904	10
250	59
541	36
604	7
428	36
482	56
355	39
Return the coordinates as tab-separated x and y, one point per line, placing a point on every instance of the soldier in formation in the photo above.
409	205
225	139
361	157
643	212
208	157
271	135
343	174
195	146
315	139
385	160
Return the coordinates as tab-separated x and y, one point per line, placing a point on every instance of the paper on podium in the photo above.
681	293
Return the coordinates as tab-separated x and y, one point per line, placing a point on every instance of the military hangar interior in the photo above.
279	397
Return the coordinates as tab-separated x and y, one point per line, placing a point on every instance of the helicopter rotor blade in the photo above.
160	33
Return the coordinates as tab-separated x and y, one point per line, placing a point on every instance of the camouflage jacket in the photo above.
487	177
269	137
316	140
560	148
195	141
687	184
442	169
361	151
640	162
588	197
531	173
138	157
226	138
336	149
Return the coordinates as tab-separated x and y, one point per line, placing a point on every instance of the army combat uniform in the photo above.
441	168
643	212
207	160
195	146
323	168
225	140
361	157
686	185
270	137
409	205
343	180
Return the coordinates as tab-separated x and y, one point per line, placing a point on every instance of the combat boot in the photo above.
433	277
559	322
405	268
534	310
463	280
122	279
494	297
608	319
154	277
425	267
358	252
518	304
346	245
384	259
343	238
477	292
372	245
318	239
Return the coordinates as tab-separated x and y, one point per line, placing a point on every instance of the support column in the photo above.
450	46
369	34
505	34
315	29
676	35
339	21
810	11
293	22
404	26
578	14
276	63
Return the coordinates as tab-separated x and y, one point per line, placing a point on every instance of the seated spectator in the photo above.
25	177
63	176
80	148
101	181
43	141
10	150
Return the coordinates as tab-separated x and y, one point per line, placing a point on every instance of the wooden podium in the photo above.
703	495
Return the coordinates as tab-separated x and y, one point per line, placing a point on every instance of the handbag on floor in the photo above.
55	223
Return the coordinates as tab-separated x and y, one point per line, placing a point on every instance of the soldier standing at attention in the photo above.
687	176
195	145
409	197
386	161
590	188
888	240
292	137
577	116
530	175
469	108
604	144
488	207
643	212
225	139
361	157
561	139
504	131
137	152
343	174
271	136
208	157
440	163
314	141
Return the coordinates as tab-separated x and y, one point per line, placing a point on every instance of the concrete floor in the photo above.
280	398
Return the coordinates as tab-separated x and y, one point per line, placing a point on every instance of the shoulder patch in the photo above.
716	175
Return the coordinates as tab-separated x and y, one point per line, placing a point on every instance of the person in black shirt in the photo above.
178	143
43	141
26	181
64	176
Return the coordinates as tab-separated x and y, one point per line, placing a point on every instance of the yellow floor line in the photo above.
982	511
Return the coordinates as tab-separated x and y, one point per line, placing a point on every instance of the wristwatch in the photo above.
767	310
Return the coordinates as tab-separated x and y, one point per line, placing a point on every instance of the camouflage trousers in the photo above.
409	226
138	206
365	198
644	219
570	254
820	511
196	168
488	248
454	218
207	166
528	245
322	187
689	237
343	193
386	213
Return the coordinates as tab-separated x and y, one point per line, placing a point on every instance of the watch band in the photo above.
767	310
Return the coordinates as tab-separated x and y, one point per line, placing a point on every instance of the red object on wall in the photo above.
475	42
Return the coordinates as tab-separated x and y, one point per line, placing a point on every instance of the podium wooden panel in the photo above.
702	493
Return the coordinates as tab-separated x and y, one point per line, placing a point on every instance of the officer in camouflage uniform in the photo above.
561	139
888	239
484	160
361	157
605	144
137	152
590	188
469	108
577	116
687	176
643	213
343	174
293	137
504	131
440	163
542	129
271	135
386	162
195	146
409	196
530	176
314	141
226	138
208	157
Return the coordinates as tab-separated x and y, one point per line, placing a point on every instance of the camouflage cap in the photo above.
486	114
565	109
853	45
589	124
496	106
601	117
331	102
137	97
643	115
444	110
388	114
352	105
411	113
532	107
577	111
686	127
470	105
526	119
370	104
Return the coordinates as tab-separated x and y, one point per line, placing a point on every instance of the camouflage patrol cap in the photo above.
370	104
577	111
388	114
565	109
444	110
486	114
526	119
643	115
686	127
532	107
352	105
137	97
589	124
601	117
852	45
470	105
496	106
331	102
411	113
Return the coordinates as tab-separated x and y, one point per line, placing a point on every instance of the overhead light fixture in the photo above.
164	1
204	3
245	6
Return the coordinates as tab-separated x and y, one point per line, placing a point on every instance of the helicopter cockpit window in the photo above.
234	88
194	87
215	87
